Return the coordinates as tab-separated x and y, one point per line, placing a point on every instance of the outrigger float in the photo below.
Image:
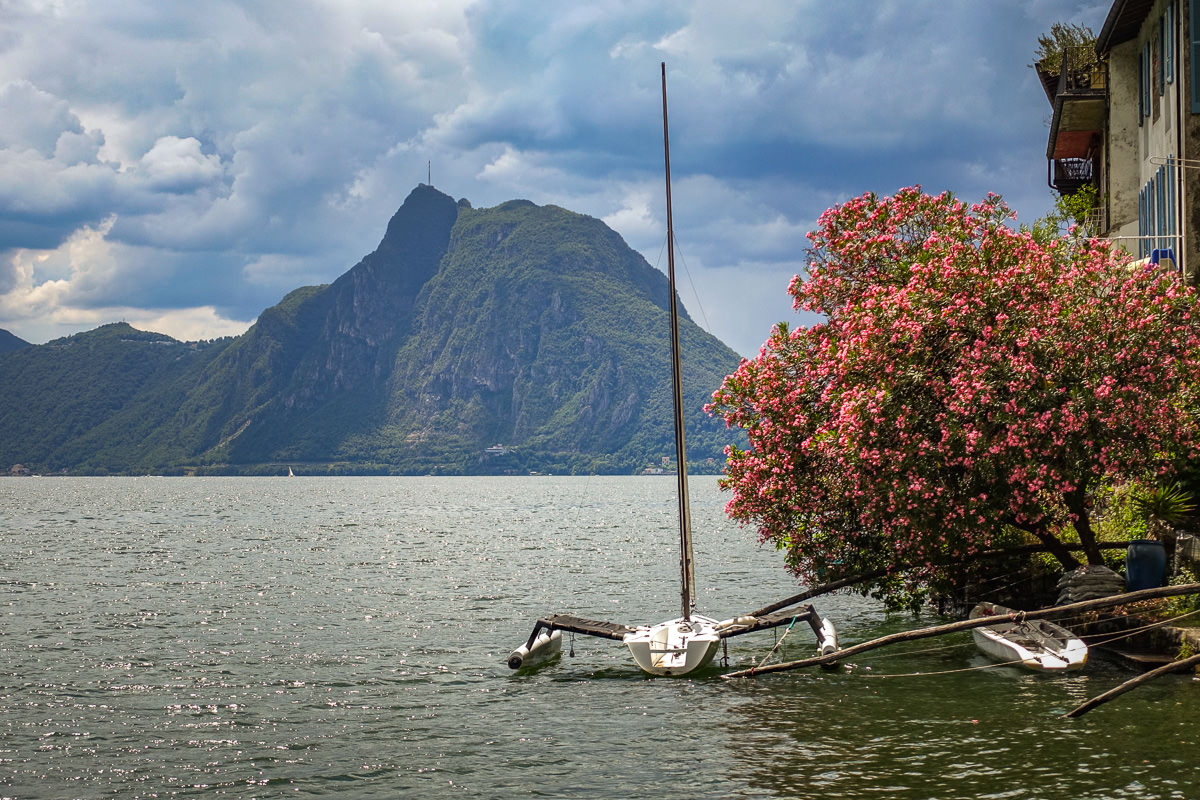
685	644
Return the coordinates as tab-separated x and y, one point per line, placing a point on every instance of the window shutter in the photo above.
1147	65
1171	212
1142	92
1169	42
1194	53
1160	207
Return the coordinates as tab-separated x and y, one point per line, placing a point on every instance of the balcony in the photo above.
1069	175
1077	86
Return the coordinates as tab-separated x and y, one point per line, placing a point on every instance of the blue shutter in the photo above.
1160	206
1169	42
1142	92
1194	53
1147	65
1171	214
1172	223
1161	51
1141	222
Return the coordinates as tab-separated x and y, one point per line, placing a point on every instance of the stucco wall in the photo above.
1135	152
1123	146
1191	150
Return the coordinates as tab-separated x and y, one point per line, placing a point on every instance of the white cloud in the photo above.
31	119
177	165
636	220
57	292
241	149
185	324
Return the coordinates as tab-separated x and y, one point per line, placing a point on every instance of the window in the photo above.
1194	53
1168	38
1144	222
1160	60
1160	205
1171	210
1156	211
1145	76
1142	90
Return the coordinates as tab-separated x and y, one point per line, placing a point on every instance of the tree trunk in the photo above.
1058	549
1083	525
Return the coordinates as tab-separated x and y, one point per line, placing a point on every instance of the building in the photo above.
1126	121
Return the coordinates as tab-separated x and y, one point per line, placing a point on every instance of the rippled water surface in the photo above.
272	637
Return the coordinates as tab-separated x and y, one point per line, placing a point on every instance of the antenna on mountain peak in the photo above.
429	172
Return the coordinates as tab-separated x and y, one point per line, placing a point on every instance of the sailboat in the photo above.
688	643
685	644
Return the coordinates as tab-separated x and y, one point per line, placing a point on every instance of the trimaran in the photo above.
683	645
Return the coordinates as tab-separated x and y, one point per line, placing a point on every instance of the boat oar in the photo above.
1133	683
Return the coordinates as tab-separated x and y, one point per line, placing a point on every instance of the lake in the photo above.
318	637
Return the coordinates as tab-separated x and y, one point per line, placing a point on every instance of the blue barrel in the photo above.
1145	565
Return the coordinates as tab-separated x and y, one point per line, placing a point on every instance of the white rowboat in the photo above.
1036	644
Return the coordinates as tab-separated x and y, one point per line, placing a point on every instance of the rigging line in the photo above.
1142	629
707	326
946	671
692	283
699	303
959	646
778	642
1147	626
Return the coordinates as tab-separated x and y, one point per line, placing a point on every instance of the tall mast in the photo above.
686	567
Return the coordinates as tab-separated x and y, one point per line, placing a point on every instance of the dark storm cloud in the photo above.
194	162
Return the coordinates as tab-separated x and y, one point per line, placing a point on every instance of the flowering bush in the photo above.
968	380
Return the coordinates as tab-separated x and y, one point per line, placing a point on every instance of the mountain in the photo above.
509	339
8	342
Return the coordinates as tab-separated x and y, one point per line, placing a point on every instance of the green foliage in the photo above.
1171	504
1073	215
968	381
1077	41
8	342
1117	517
1183	604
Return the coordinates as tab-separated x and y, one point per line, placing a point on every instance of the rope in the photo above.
777	643
1124	635
1149	626
958	646
946	671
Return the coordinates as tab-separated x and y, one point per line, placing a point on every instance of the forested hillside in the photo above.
509	339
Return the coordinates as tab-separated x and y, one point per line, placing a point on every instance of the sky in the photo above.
181	166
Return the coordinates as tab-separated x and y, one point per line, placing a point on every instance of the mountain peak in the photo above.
423	205
528	325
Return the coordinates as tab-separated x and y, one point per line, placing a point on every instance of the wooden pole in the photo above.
1100	699
967	624
687	569
833	586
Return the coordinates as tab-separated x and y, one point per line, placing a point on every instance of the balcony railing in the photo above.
1069	175
1080	70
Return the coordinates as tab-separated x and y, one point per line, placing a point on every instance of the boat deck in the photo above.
588	627
617	630
804	613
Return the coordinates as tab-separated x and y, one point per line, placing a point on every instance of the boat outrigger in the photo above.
685	644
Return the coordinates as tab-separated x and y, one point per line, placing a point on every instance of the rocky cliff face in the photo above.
524	325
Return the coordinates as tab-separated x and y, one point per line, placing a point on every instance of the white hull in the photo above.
546	646
676	647
1036	644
